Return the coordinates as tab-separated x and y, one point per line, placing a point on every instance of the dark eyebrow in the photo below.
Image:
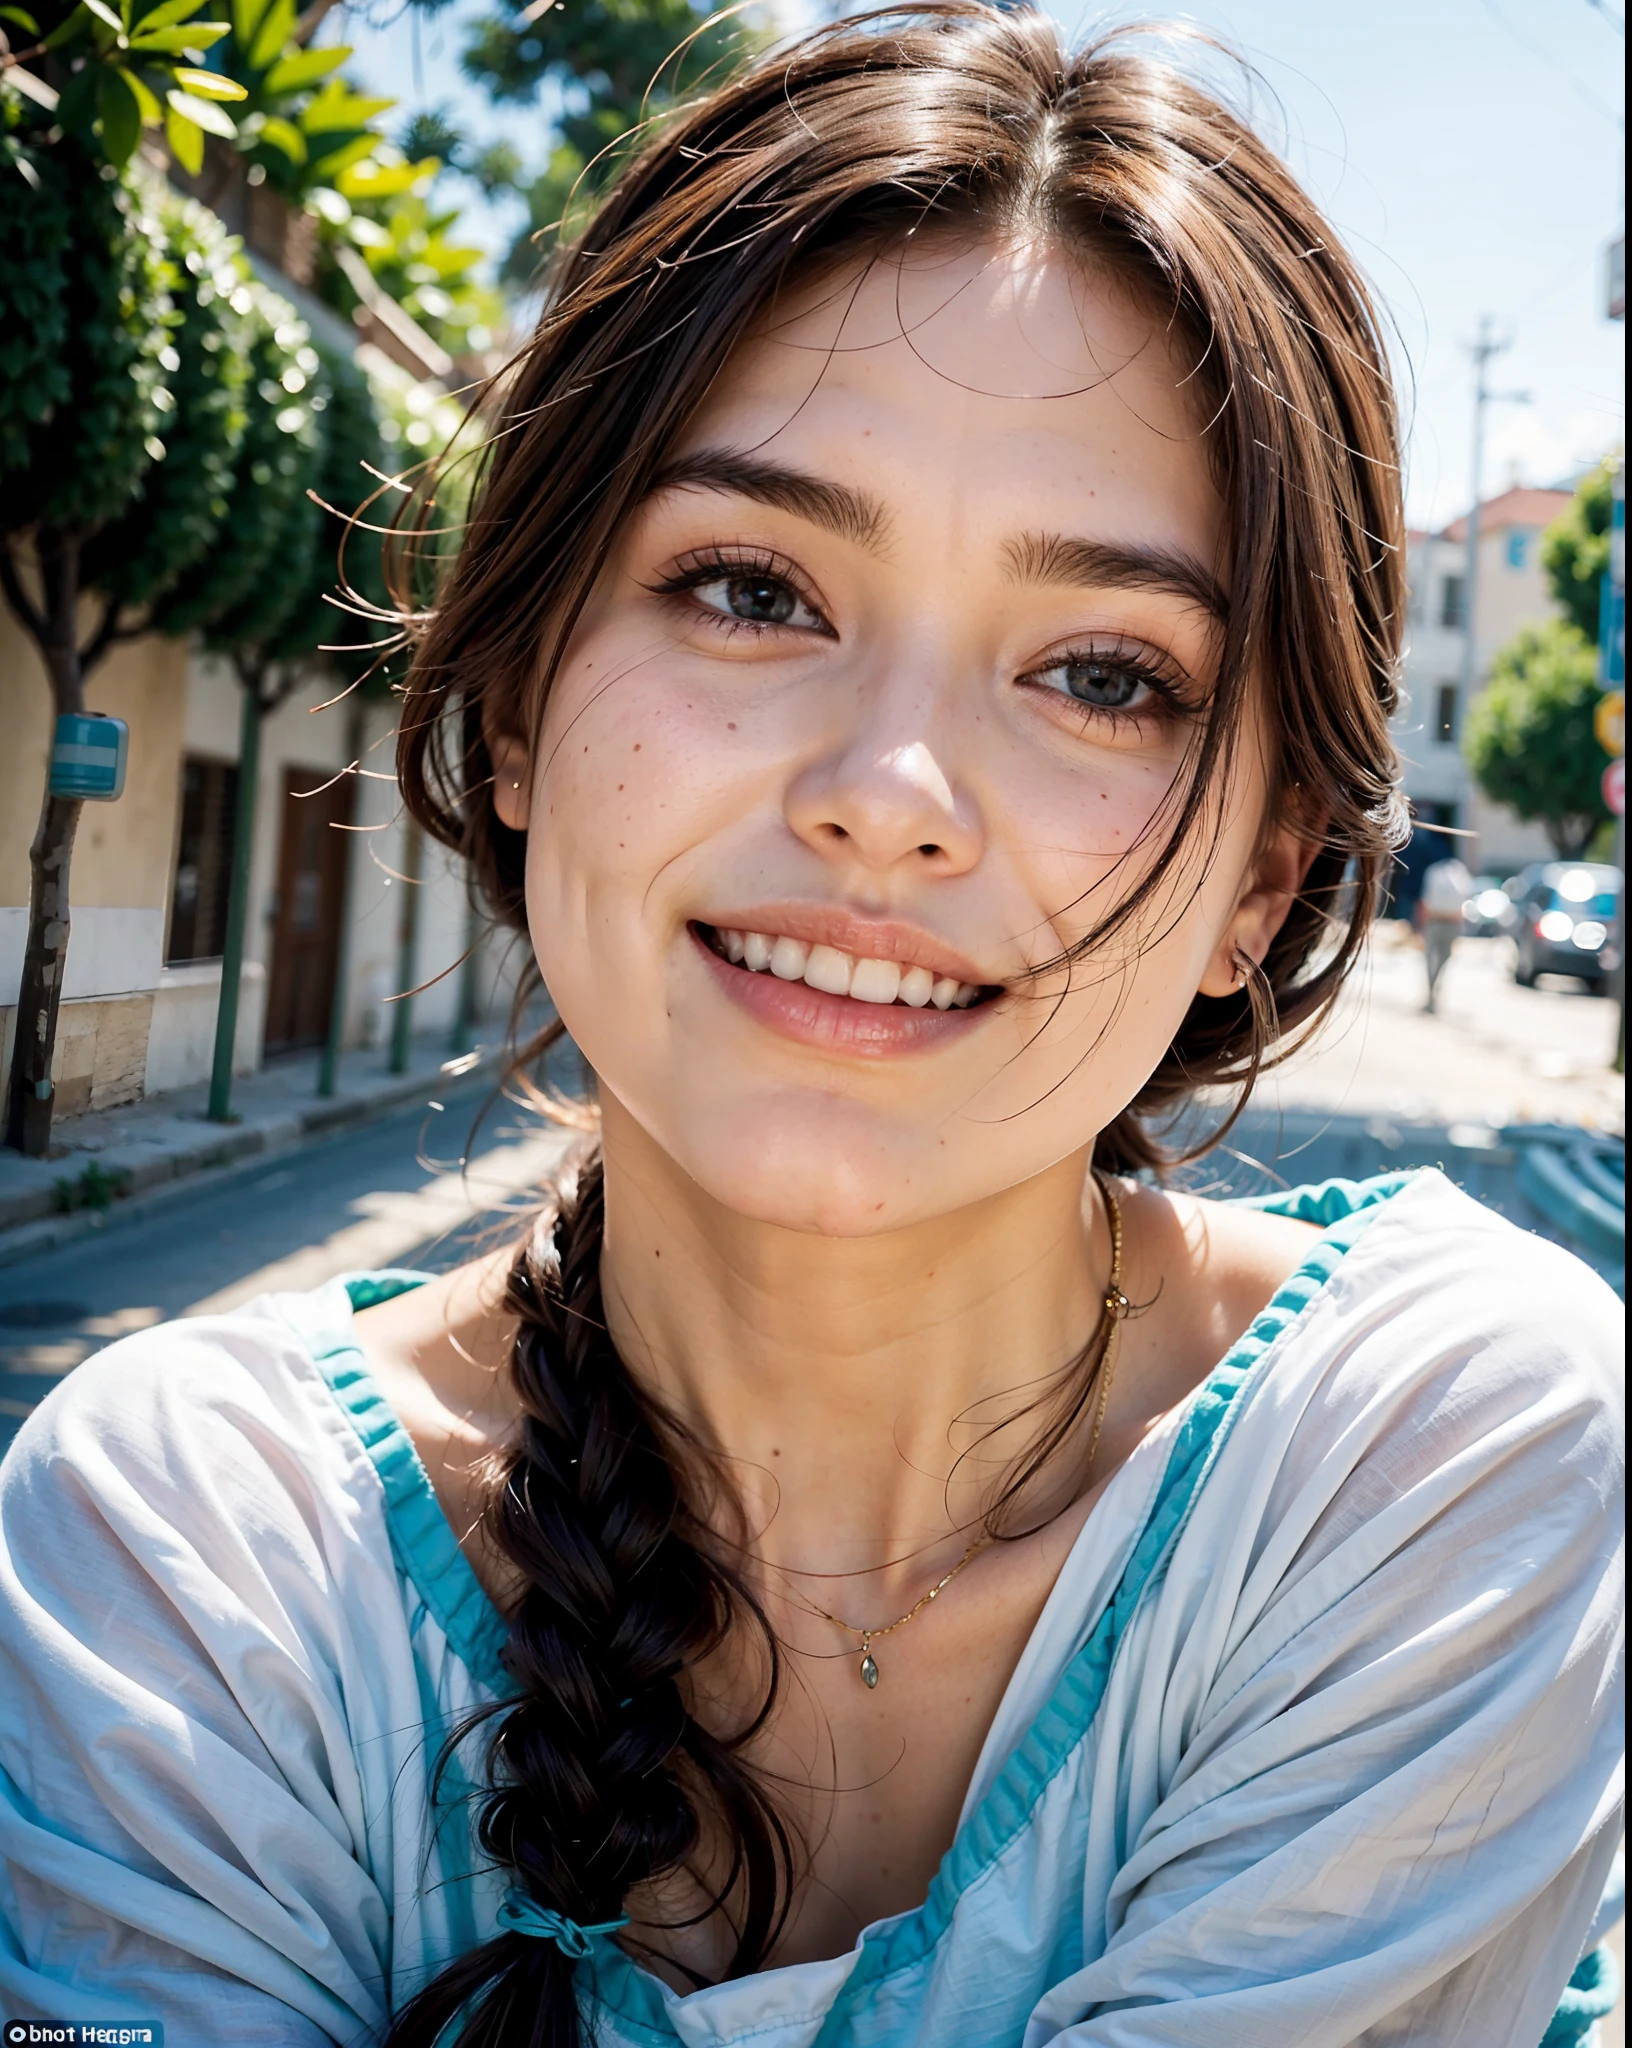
851	514
1113	565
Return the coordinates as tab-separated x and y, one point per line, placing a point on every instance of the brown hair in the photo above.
949	114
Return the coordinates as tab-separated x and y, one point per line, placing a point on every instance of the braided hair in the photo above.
599	1772
602	1779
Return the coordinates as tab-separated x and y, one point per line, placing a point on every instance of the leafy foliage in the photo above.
1529	738
85	453
301	122
125	65
277	460
1575	549
34	251
314	628
182	501
618	64
382	208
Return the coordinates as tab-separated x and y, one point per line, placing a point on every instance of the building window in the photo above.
1453	603
198	901
1445	714
1518	547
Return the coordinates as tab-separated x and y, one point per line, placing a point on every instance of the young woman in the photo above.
869	1569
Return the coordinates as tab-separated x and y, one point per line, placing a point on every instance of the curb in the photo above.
222	1158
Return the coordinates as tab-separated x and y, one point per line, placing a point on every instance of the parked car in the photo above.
1488	912
1566	920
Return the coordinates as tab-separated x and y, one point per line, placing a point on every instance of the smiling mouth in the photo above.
835	973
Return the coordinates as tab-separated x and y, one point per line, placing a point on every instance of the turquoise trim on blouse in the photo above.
422	1540
1345	1209
428	1553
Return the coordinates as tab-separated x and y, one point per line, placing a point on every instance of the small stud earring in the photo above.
515	785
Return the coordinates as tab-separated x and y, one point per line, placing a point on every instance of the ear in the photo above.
1271	889
512	782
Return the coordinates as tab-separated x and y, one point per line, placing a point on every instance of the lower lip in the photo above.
837	1023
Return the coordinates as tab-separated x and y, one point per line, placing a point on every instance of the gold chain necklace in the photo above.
869	1636
1112	1316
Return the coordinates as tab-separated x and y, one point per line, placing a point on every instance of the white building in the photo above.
1511	592
149	875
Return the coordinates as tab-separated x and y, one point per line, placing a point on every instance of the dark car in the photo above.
1565	922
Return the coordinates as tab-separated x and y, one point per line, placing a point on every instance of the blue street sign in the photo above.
88	757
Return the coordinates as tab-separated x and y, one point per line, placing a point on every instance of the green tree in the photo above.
1575	549
181	503
245	592
276	462
618	64
119	66
1529	739
300	123
382	209
74	460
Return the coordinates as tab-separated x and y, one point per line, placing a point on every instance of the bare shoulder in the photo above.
1198	1273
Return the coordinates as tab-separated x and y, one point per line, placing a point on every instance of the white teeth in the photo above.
827	969
874	981
837	973
916	985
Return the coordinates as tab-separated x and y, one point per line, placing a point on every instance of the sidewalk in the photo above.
116	1158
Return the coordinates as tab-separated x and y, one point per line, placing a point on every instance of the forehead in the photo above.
1034	387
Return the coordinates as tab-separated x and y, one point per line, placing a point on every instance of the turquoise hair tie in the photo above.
522	1914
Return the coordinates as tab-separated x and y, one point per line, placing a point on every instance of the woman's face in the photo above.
880	705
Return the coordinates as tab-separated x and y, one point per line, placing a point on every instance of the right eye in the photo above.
757	599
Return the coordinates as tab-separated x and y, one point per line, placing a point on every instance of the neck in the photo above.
866	1394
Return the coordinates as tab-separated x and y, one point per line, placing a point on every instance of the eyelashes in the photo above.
1114	677
759	592
1106	679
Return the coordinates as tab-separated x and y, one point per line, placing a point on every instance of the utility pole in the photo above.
1484	351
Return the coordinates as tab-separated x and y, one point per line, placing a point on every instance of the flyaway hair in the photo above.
954	119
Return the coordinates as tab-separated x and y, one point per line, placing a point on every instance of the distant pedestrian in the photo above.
1445	888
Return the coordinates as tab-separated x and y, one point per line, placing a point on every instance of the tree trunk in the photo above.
402	1021
243	857
45	955
328	1072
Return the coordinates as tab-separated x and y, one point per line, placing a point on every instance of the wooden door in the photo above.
309	907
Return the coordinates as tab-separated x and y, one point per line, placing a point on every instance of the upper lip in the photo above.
863	937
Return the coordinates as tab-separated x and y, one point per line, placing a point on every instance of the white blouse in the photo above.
1316	1741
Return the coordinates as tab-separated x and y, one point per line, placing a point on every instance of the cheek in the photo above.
1082	834
640	766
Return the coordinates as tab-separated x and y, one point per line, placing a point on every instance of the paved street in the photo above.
1496	1053
391	1193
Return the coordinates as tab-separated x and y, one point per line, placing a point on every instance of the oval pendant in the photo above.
869	1671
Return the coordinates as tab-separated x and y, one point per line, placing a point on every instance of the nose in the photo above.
883	798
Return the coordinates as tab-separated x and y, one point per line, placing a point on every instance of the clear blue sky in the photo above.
1471	151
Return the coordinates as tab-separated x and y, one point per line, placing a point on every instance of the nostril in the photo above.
929	851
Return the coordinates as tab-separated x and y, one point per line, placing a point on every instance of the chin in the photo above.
819	1165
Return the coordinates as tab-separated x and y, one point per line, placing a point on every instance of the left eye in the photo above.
1108	685
757	600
